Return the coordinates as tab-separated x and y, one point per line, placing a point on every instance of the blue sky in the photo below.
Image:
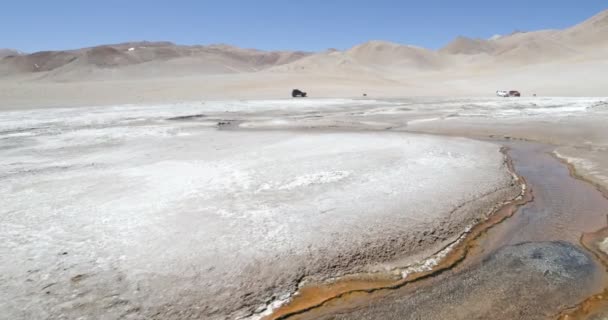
276	24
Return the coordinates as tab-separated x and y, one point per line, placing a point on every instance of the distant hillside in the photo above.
112	59
517	49
593	31
8	52
373	57
382	59
464	45
534	46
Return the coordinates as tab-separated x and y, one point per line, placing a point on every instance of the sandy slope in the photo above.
584	77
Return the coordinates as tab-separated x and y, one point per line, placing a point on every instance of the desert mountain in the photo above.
516	49
8	52
520	46
141	55
373	58
388	54
464	45
593	31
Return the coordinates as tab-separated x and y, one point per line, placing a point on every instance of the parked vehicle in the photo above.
298	93
506	94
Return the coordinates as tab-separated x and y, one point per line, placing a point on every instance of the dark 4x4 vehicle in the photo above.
298	93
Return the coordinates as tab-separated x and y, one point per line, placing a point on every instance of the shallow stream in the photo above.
531	265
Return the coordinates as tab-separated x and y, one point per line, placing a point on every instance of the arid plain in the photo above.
155	181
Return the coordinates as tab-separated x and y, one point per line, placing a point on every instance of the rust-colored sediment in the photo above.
598	302
589	241
314	296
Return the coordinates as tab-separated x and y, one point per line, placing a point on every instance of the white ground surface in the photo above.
117	212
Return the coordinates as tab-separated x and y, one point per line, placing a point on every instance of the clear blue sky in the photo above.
276	24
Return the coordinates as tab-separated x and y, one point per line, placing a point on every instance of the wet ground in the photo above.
531	266
563	208
106	182
524	281
155	214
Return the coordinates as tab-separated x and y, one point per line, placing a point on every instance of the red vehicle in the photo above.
514	93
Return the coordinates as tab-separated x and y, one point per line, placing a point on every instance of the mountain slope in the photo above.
464	45
370	58
114	59
385	54
8	52
591	32
380	59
